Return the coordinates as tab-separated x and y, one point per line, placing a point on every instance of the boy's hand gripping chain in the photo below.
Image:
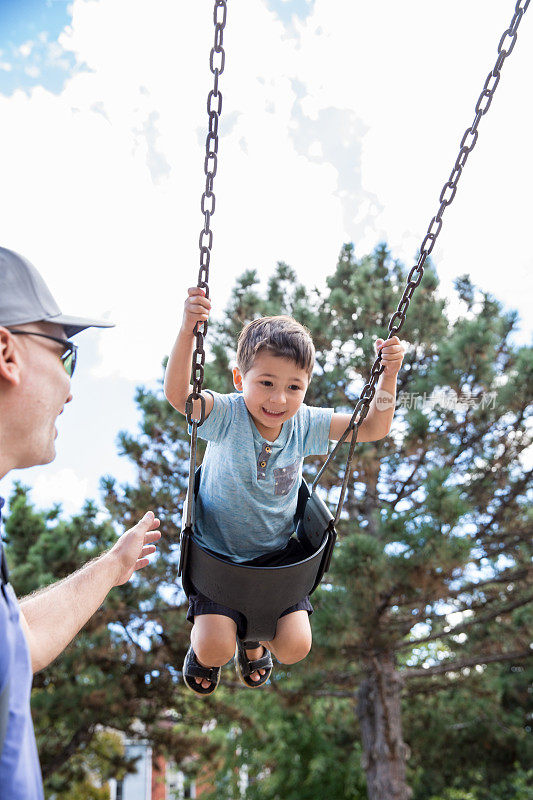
468	142
217	62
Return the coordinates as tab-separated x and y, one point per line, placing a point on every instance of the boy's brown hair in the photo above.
281	336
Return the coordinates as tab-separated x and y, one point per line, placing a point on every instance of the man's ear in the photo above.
237	379
9	362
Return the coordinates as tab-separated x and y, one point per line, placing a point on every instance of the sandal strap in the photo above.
195	670
265	662
247	666
208	673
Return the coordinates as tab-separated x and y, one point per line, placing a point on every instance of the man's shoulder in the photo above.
4	574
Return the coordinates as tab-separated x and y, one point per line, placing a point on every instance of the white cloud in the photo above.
344	128
63	486
25	49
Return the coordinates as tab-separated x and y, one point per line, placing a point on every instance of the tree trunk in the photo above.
379	711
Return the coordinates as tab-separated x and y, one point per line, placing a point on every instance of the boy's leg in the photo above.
213	639
293	638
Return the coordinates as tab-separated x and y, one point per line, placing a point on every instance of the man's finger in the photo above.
147	550
149	521
152	536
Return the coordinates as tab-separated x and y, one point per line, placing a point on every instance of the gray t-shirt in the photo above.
249	486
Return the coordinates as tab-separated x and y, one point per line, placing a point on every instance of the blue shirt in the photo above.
249	486
20	773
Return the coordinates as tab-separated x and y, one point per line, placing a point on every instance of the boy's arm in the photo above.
178	372
378	421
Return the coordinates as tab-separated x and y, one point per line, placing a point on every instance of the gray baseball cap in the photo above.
25	297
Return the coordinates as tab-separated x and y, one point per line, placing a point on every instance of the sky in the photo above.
341	121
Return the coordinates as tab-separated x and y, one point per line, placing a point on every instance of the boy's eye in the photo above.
295	388
266	383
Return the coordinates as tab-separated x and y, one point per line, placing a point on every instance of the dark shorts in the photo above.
200	604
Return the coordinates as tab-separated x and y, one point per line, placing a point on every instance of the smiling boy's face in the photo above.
273	389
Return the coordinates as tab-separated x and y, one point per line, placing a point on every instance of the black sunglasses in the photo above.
69	355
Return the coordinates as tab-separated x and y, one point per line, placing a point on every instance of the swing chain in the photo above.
468	142
217	62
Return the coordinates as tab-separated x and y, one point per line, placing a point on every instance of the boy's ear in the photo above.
237	379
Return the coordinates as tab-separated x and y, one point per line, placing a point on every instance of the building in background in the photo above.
155	778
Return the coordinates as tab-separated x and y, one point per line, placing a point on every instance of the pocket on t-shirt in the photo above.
284	478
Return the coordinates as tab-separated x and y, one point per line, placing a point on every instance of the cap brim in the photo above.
74	325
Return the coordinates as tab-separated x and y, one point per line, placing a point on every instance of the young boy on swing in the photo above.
257	440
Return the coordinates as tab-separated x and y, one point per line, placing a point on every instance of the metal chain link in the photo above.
217	62
468	142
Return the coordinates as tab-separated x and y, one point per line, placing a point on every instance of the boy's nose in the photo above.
279	397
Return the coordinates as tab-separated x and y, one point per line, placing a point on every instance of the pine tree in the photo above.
431	574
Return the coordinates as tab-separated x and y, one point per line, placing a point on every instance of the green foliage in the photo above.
468	734
518	786
83	790
90	770
288	752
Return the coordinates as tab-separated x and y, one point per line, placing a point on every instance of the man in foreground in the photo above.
37	360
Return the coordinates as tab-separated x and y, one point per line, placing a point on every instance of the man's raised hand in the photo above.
131	551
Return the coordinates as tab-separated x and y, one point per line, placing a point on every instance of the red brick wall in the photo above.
204	783
159	789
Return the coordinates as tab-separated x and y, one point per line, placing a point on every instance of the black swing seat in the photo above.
261	593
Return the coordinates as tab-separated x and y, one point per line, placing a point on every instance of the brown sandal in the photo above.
192	669
245	667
